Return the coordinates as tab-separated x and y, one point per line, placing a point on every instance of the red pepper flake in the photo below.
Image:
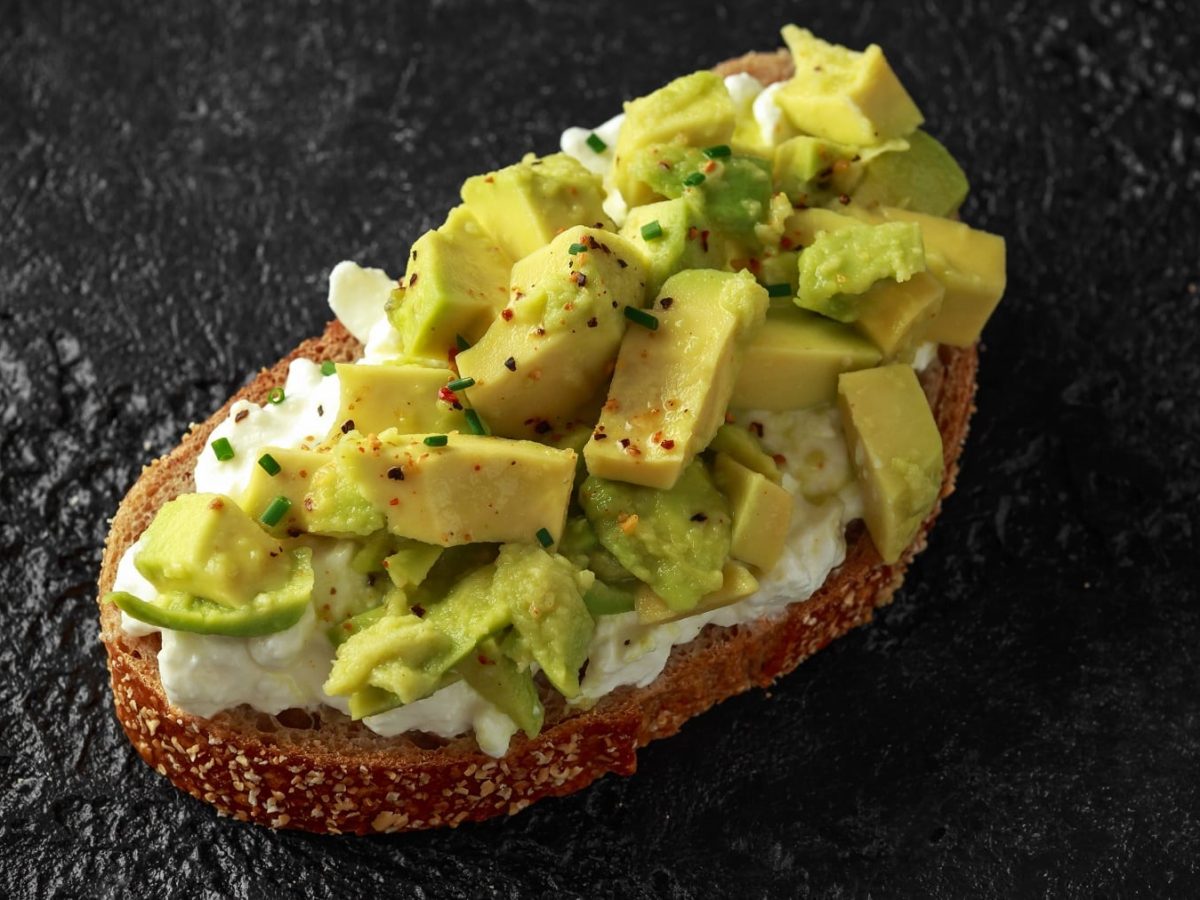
666	302
308	503
780	459
446	395
704	240
506	314
347	426
218	504
395	473
755	265
304	473
757	428
478	467
786	243
386	564
599	436
395	501
624	442
510	364
843	199
452	355
484	661
592	322
540	331
579	278
693	233
412	279
489	180
710	166
729	419
667	444
241	415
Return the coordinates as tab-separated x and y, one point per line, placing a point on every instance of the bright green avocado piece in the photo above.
204	545
761	510
811	170
335	505
267	612
410	564
544	593
504	684
675	540
606	600
525	205
741	445
924	178
841	265
580	545
683	239
341	632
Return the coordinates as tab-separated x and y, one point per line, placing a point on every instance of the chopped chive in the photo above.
720	151
436	440
276	396
461	384
328	367
783	289
269	465
462	343
694	179
641	317
275	511
651	230
222	449
474	422
596	143
577	248
544	537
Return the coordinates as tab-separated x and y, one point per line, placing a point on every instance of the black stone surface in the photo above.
1025	721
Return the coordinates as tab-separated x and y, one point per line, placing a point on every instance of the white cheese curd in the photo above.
743	89
357	296
383	344
449	712
130	581
771	123
574	143
925	354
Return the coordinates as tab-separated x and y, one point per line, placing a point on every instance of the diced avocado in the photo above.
456	283
371	553
580	544
544	592
523	206
843	95
336	506
371	701
341	632
267	612
924	178
675	540
504	684
745	448
552	348
795	359
672	384
206	546
841	265
895	317
804	226
296	470
470	489
683	239
606	600
695	110
450	567
896	450
761	510
409	565
736	582
811	170
375	398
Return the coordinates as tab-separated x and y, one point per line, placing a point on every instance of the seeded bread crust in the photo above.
319	771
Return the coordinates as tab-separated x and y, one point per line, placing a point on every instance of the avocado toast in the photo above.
320	769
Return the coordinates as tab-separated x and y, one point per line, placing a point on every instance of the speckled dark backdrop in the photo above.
1025	720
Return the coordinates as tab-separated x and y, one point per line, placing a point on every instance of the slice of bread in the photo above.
319	771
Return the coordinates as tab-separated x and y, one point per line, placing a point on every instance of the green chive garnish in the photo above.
544	538
782	289
222	449
720	151
462	343
328	367
597	145
641	317
436	440
694	179
577	248
275	511
276	395
474	422
461	384
651	230
270	466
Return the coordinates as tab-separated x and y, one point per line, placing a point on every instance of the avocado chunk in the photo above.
795	359
409	565
742	446
840	265
895	317
896	450
674	540
672	384
552	347
581	545
761	510
456	283
335	505
470	489
523	206
804	226
266	612
924	178
684	239
606	600
504	684
205	545
405	397
843	95
292	481
695	110
811	170
736	582
544	593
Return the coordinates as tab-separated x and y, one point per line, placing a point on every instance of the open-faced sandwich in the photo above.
642	425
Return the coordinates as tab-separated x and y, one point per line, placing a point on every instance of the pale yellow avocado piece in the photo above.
843	95
456	282
742	446
523	206
375	398
802	227
335	506
896	451
737	582
296	469
795	359
695	109
553	346
473	489
810	170
686	241
206	546
672	385
762	512
895	316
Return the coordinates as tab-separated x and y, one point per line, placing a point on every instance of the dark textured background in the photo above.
1025	720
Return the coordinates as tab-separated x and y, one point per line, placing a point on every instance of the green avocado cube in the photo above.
683	240
335	505
761	510
811	170
924	178
504	684
741	445
292	481
841	265
896	316
404	397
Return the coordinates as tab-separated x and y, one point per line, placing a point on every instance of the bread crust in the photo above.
321	772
